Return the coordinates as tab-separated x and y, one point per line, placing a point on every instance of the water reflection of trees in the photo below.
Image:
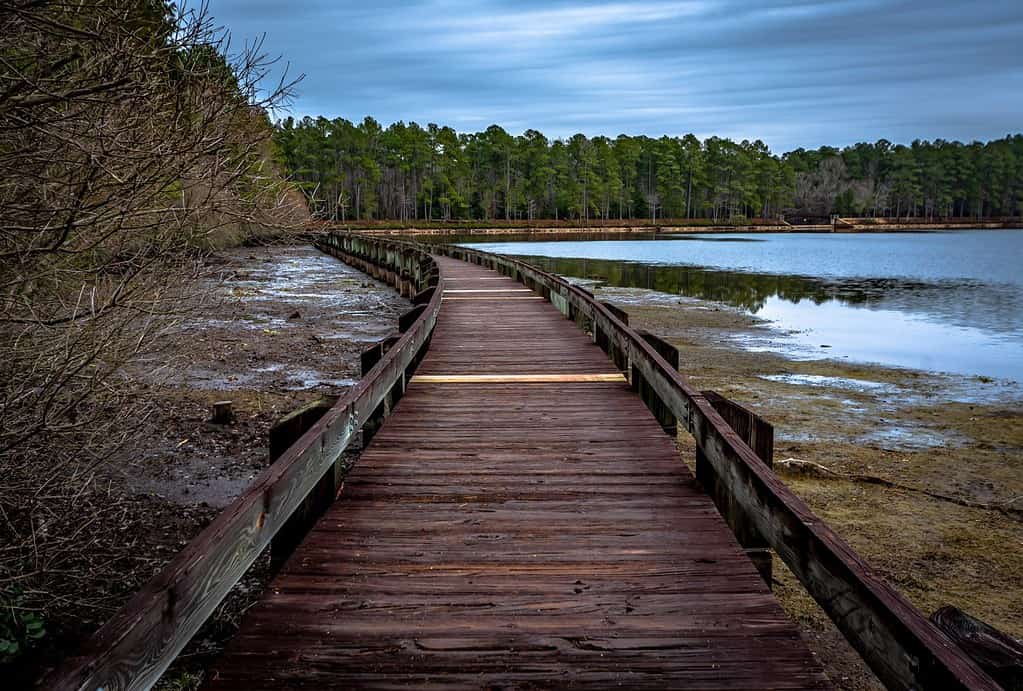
742	289
960	302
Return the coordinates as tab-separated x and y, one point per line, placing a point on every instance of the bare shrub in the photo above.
131	140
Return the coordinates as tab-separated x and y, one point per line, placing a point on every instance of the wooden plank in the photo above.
486	290
455	278
494	298
515	378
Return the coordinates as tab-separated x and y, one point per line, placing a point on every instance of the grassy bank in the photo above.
941	522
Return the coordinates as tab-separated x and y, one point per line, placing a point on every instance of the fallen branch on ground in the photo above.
813	468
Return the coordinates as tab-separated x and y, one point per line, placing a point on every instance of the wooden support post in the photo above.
423	296
283	434
372	355
619	314
663	348
562	304
368	360
658	407
223	413
751	428
758	434
406	320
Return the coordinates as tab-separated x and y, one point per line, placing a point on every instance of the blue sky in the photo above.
790	72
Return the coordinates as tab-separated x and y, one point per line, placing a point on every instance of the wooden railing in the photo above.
140	641
903	648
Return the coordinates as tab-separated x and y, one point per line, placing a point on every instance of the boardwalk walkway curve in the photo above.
520	519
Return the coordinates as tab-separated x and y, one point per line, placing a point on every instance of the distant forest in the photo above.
407	172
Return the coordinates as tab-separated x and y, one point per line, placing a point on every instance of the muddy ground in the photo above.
953	436
284	326
280	327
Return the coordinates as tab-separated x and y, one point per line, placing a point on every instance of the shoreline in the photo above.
839	423
841	226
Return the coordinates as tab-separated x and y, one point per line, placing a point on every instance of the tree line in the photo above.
407	172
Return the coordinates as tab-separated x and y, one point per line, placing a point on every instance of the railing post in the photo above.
619	314
609	345
282	435
406	320
368	360
660	410
424	296
758	434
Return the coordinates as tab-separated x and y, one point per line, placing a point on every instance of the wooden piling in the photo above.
758	434
660	409
282	435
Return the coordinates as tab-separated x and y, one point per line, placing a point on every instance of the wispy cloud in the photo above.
791	72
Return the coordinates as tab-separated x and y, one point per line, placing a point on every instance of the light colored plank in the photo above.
497	297
488	290
516	378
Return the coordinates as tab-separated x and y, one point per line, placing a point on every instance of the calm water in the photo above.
947	301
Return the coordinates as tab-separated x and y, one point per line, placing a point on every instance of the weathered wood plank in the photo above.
282	435
515	378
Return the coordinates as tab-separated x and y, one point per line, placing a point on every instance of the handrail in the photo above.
903	648
133	648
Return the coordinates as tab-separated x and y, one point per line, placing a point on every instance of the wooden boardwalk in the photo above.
509	530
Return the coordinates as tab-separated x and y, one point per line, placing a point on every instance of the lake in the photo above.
942	301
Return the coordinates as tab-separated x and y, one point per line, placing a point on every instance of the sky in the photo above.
793	73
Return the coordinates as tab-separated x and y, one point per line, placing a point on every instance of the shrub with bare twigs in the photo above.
131	139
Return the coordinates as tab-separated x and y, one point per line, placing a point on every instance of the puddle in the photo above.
285	318
846	383
909	438
282	327
301	380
